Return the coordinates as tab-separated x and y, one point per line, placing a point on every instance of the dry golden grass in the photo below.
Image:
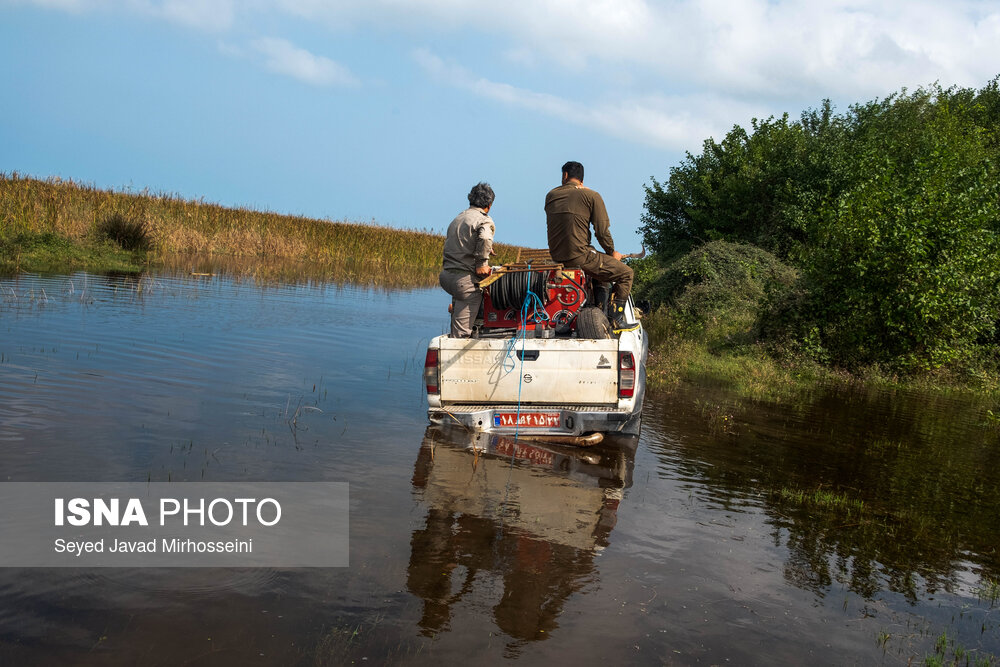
176	225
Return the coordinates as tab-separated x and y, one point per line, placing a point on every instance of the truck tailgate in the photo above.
548	371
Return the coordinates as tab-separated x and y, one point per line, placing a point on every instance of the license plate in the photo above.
527	419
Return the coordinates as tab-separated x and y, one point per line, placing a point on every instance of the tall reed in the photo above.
176	225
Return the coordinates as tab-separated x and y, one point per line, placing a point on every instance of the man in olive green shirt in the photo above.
570	210
467	250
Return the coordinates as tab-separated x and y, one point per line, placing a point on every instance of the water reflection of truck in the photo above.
553	368
523	515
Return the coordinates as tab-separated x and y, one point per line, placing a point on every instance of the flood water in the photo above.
849	527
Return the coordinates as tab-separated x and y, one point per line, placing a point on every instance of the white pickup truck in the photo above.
560	384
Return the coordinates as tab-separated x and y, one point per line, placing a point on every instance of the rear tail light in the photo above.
626	375
431	371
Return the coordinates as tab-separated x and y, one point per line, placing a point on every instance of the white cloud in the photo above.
776	48
283	57
216	15
565	31
854	49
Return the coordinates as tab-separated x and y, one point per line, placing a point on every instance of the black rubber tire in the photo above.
592	323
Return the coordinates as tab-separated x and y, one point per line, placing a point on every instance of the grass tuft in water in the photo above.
947	652
826	500
989	590
719	417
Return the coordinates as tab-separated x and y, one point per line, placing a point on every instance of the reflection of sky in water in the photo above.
101	375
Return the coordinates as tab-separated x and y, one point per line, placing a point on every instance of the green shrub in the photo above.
715	291
644	272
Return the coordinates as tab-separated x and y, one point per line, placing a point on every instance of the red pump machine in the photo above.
561	293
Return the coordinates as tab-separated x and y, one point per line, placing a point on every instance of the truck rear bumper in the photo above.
560	420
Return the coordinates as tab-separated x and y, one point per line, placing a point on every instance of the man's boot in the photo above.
618	321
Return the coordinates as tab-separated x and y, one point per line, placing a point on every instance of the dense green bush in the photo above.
890	212
715	291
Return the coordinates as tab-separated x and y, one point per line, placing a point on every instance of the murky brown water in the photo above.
850	528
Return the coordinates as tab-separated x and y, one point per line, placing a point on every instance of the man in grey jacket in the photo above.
467	251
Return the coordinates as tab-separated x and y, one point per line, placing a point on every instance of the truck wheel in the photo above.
592	323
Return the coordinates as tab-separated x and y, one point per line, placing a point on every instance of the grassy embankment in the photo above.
58	226
755	372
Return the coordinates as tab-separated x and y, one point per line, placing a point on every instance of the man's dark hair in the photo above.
481	195
573	170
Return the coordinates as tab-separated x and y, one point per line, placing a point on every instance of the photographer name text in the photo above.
168	546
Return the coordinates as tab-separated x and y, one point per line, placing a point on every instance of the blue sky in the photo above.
390	110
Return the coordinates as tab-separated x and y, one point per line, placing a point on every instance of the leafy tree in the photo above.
752	187
904	268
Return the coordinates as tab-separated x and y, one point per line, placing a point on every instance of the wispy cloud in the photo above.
75	6
283	57
210	15
671	122
213	15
